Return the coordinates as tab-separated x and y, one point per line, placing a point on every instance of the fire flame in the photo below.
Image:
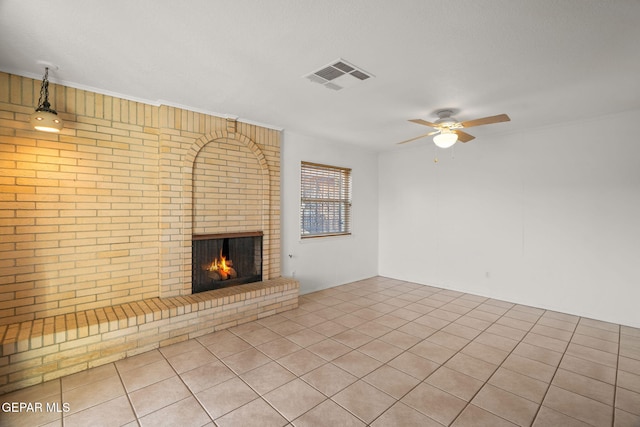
220	265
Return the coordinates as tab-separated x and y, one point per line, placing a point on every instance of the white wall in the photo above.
330	261
548	217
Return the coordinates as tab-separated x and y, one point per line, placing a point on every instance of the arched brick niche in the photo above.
228	185
229	188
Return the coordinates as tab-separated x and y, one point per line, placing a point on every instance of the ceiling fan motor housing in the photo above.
445	120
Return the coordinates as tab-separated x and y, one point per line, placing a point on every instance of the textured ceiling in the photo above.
542	62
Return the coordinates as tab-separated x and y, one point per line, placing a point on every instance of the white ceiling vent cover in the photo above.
338	75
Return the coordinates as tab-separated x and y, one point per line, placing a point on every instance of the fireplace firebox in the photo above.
223	260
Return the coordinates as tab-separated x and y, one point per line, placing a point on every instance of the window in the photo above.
325	200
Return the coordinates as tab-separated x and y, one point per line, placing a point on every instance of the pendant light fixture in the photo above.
45	118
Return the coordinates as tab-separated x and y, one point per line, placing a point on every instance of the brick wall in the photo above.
102	213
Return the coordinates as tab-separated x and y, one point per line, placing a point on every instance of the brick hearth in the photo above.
52	347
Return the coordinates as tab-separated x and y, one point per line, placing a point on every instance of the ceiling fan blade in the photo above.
463	136
424	123
486	121
417	137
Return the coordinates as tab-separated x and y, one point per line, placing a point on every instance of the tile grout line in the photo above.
422	381
556	371
351	349
615	386
126	392
405	350
574	333
61	402
498	366
452	356
383	363
458	351
99	403
439	330
558	367
236	376
185	384
580	357
281	385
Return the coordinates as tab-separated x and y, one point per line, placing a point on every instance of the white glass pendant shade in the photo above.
46	121
445	139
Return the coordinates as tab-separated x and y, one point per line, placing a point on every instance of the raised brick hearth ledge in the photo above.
48	348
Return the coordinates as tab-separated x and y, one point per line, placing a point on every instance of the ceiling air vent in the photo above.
338	75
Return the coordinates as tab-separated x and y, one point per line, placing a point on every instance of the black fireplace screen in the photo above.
220	261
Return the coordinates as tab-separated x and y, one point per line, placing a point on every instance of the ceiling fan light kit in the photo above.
445	139
448	130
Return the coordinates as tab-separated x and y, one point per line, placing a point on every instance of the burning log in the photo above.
219	275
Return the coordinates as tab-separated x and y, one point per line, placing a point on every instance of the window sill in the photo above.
323	236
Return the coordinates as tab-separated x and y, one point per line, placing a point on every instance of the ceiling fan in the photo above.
448	130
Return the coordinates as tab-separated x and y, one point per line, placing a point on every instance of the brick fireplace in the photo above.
97	228
225	181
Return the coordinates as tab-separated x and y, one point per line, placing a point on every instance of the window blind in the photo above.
325	200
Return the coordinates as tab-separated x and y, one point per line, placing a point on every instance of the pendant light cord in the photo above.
43	102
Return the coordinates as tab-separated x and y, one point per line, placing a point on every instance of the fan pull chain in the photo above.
435	154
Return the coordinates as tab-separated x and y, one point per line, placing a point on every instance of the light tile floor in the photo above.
378	352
